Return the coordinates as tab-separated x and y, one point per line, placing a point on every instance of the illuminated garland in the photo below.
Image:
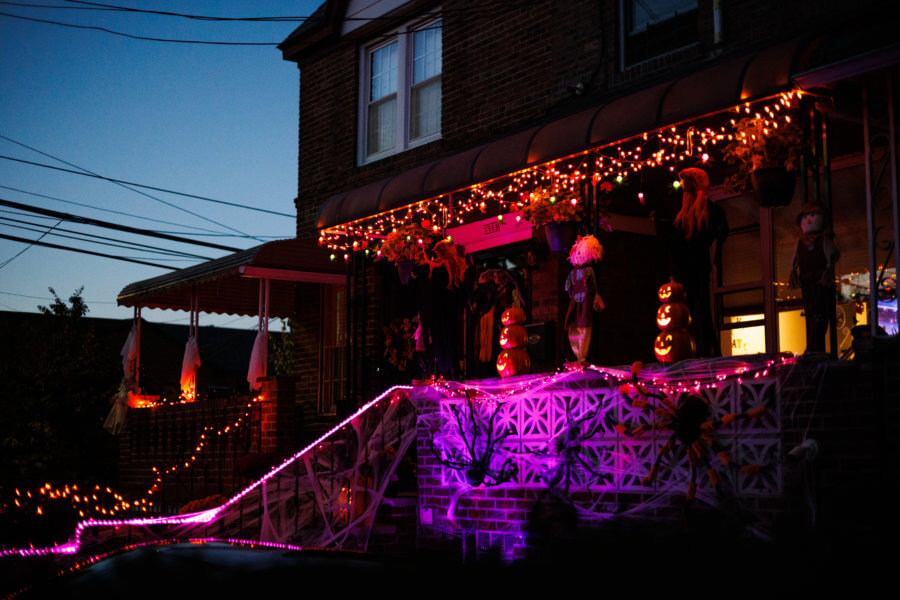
669	147
201	445
686	376
392	395
103	501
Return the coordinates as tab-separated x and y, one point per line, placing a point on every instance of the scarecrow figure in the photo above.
581	285
688	238
812	270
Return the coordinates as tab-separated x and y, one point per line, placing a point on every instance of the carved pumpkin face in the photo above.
514	336
671	292
673	345
514	361
673	316
513	316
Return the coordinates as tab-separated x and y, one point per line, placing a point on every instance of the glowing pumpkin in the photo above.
671	346
514	336
673	315
671	292
513	316
514	361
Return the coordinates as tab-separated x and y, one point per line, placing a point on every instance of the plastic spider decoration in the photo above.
568	447
692	432
480	444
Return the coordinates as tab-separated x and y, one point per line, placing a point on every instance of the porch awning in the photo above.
697	94
230	285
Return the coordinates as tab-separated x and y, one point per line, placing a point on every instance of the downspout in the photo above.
718	24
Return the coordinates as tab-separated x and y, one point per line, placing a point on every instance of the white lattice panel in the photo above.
569	436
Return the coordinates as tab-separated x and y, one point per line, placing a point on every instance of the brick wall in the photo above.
843	495
168	436
307	346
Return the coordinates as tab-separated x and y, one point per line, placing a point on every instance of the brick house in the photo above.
418	110
453	112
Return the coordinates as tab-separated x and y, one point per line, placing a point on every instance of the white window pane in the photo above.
382	126
427	53
425	113
383	70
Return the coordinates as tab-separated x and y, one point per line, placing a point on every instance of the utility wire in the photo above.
137	37
125	184
31	226
82	251
26	248
120	184
150	187
496	6
111	244
108	225
46	298
481	12
208	232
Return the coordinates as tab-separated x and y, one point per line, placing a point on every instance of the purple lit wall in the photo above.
489	450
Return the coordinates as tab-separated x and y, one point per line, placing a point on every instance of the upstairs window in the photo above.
400	105
654	27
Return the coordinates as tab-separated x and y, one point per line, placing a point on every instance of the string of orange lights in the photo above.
97	501
666	148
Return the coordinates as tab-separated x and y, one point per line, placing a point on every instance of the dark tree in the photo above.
55	390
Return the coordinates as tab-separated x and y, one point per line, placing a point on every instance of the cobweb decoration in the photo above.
324	496
475	454
616	441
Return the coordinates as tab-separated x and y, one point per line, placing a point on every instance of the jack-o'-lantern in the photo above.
674	345
514	336
513	316
673	316
671	292
514	361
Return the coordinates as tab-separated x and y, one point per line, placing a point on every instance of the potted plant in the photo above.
556	213
403	246
767	158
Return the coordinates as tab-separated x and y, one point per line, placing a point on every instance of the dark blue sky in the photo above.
209	120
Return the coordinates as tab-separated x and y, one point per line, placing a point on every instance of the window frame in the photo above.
403	37
673	21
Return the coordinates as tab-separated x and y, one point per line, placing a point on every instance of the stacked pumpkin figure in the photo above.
673	318
513	359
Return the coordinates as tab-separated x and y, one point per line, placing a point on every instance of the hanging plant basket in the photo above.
773	186
560	236
405	269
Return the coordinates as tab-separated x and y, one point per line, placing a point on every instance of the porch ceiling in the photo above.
230	285
709	90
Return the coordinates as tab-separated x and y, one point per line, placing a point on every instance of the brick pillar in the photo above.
277	415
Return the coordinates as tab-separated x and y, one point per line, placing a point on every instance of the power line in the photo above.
82	251
108	225
26	248
295	19
106	241
121	184
207	232
87	173
479	12
149	187
137	37
46	298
